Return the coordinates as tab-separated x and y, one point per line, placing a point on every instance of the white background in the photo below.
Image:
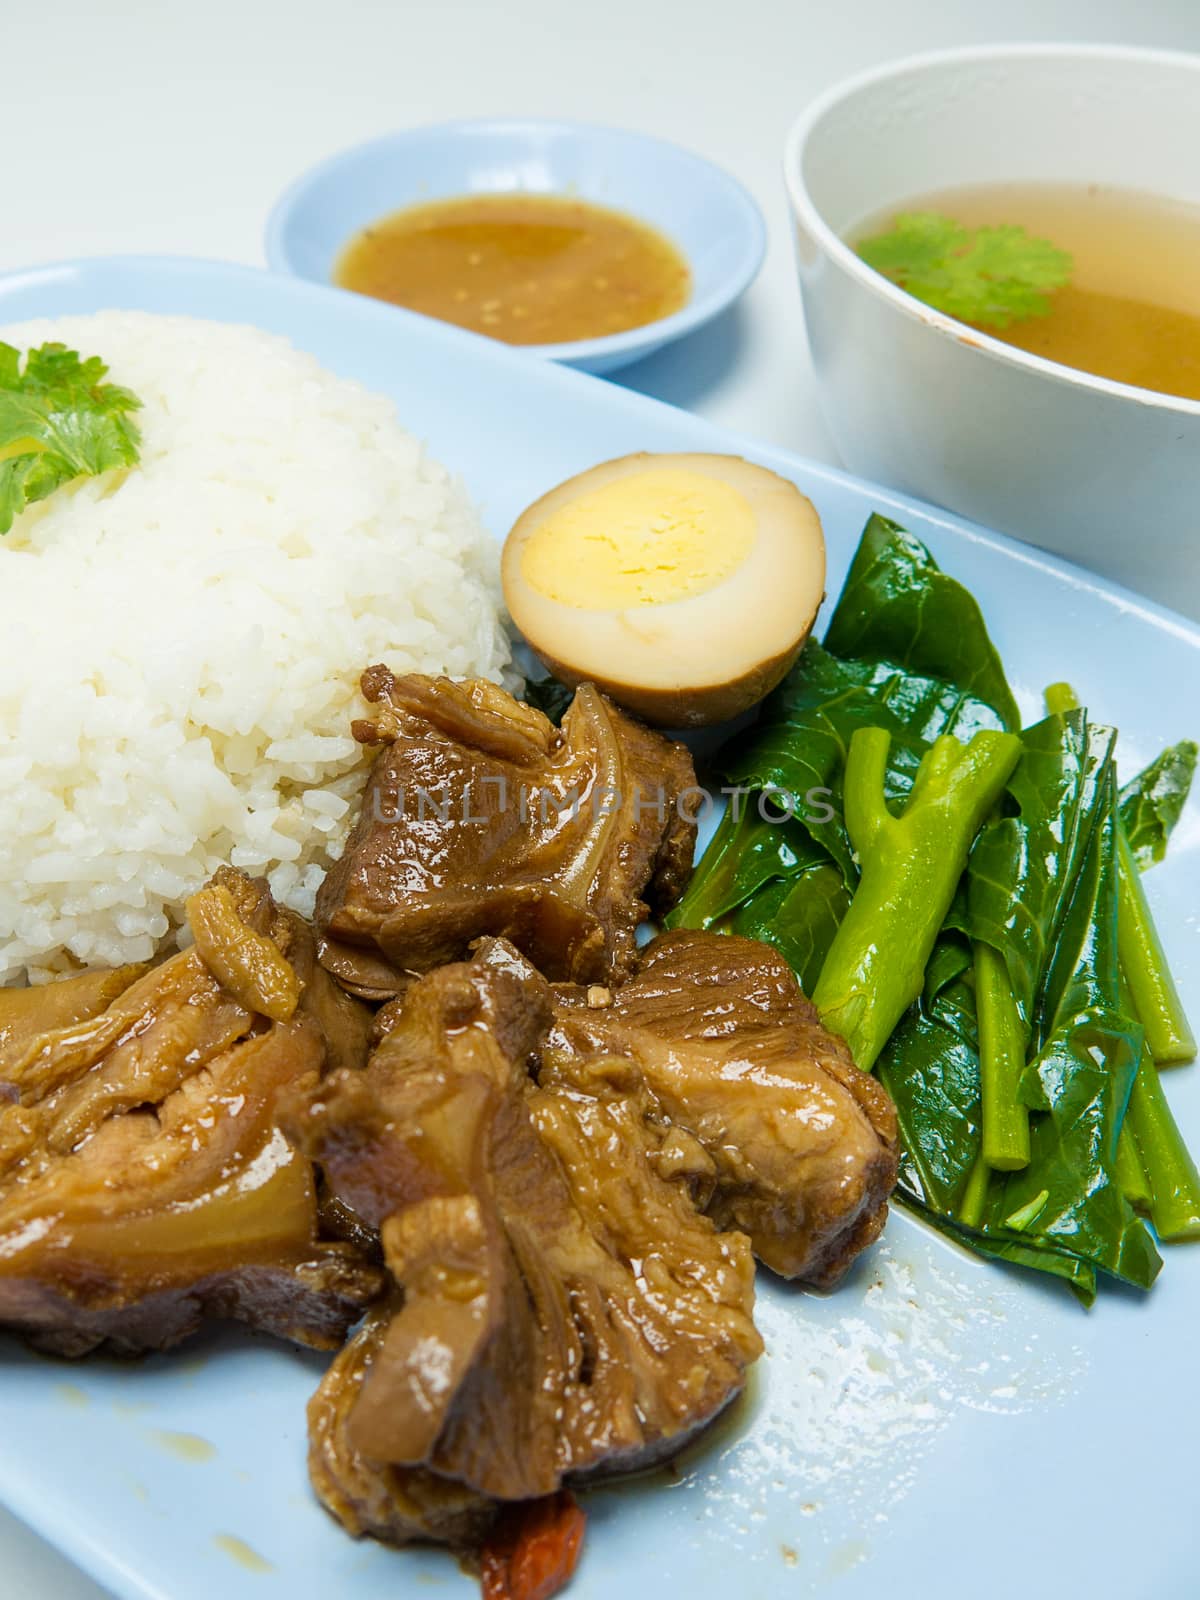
128	125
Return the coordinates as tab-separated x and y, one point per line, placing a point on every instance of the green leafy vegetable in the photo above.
58	421
923	667
899	606
1015	907
931	1069
1021	863
798	747
752	847
906	651
987	276
1017	1016
1152	802
800	916
1155	1169
1081	1078
1055	927
766	879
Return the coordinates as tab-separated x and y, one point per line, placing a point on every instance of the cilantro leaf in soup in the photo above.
916	247
986	276
59	420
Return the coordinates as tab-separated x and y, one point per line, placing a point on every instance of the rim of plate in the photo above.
47	274
752	225
836	248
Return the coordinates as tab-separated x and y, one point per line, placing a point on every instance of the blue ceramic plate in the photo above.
709	216
936	1427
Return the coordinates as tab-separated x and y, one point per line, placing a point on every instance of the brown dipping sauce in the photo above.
524	268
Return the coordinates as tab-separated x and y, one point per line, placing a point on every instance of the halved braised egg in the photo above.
681	585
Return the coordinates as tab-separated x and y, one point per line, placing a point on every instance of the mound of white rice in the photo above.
182	642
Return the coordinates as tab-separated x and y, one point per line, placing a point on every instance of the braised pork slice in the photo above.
561	1308
803	1144
395	1503
144	1180
57	1005
482	818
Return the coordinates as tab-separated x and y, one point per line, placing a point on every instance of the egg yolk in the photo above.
648	538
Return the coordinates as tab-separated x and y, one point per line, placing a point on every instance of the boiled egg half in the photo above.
681	585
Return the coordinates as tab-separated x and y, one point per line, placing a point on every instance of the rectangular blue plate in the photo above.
936	1426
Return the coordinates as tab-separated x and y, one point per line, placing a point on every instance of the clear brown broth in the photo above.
1131	311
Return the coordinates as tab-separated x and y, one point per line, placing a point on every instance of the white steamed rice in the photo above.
182	642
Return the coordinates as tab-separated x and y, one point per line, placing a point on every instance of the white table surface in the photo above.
152	126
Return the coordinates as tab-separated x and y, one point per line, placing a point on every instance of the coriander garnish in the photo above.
987	276
58	421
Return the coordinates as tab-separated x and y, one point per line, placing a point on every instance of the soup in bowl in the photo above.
949	171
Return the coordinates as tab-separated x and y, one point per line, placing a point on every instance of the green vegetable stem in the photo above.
970	1210
1170	1172
1131	1173
1169	1037
910	867
1001	1062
